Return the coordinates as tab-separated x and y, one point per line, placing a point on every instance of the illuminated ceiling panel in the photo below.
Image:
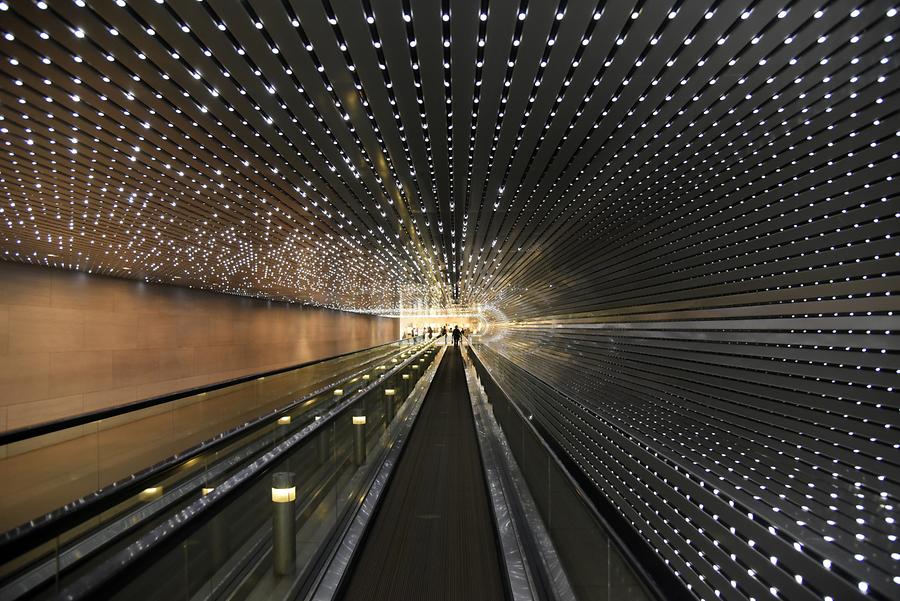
371	154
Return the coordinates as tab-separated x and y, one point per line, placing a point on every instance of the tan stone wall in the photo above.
72	342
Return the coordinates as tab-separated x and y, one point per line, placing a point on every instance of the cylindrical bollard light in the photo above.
217	535
389	399
406	387
359	439
284	426
284	542
149	494
323	443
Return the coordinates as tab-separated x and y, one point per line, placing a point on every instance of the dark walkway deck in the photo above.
433	537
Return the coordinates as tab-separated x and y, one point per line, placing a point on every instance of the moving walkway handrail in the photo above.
26	432
120	567
46	527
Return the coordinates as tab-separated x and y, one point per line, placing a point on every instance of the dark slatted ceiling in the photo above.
678	217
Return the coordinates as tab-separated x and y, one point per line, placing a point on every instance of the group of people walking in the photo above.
455	333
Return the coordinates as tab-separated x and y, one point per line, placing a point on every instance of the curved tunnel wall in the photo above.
726	436
715	353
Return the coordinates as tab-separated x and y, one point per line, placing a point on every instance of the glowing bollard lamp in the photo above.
323	439
284	544
405	385
283	429
150	494
359	439
389	399
217	534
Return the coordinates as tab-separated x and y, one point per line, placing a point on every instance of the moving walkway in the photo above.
187	444
382	476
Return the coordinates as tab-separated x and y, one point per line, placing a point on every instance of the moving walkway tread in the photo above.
433	536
